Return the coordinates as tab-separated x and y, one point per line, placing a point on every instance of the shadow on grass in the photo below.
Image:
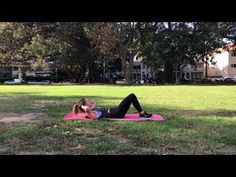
198	113
19	93
65	102
184	131
39	95
53	106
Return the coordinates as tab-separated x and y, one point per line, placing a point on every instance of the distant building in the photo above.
224	65
194	71
16	71
225	62
13	72
140	71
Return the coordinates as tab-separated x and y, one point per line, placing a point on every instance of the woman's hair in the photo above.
78	107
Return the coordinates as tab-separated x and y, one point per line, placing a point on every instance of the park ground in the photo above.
199	120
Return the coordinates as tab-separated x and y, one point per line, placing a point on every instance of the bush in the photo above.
37	78
2	80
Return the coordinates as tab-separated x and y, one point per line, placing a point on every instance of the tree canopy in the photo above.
82	48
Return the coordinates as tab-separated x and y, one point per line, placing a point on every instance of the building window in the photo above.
233	65
15	68
138	76
200	66
233	54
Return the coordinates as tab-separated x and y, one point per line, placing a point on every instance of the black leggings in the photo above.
121	110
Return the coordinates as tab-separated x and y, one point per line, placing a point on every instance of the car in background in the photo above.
136	81
206	79
228	79
11	82
120	81
66	82
219	79
32	82
234	79
45	82
197	79
39	82
216	78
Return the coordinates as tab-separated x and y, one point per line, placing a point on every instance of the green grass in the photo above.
200	120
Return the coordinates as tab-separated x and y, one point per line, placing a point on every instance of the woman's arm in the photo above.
93	106
89	113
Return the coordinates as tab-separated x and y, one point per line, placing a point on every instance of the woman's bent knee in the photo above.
132	94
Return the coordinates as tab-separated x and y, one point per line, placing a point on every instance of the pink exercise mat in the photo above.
129	117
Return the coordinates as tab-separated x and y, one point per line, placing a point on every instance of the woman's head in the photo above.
79	105
88	102
82	102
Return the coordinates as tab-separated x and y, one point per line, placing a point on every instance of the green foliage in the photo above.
76	47
180	43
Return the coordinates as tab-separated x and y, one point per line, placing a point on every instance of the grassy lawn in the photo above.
200	120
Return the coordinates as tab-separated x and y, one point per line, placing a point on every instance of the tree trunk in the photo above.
168	72
57	78
70	73
176	75
155	74
206	74
20	74
87	77
129	70
180	73
124	65
127	73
